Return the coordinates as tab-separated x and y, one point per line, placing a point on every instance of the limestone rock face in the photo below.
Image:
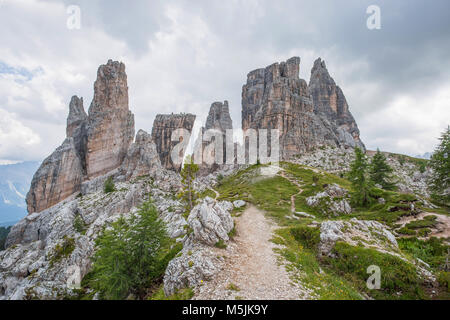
369	233
110	123
218	121
329	101
275	98
210	221
96	143
219	117
77	121
163	126
59	176
142	157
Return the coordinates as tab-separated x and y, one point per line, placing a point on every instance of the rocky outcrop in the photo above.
96	143
142	157
59	176
366	233
110	123
163	126
331	201
210	222
216	126
219	117
30	267
329	102
275	98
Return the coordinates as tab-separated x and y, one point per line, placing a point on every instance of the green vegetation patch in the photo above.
399	279
62	250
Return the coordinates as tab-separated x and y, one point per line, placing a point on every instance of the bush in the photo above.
131	254
79	225
307	236
444	279
109	185
397	276
220	244
62	250
433	251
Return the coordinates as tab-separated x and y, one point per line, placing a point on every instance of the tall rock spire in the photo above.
110	123
329	102
96	143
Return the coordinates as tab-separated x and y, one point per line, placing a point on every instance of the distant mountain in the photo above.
15	182
426	155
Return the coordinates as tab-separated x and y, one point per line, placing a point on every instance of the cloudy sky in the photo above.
183	55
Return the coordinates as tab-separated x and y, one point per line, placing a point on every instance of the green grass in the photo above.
343	278
427	222
62	250
182	294
399	279
432	251
220	244
303	261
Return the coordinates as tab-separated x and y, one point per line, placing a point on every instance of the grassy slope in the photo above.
328	279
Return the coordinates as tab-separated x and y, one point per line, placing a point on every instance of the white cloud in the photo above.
181	56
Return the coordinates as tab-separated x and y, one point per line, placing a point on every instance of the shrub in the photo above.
220	244
62	250
444	279
109	185
307	236
79	225
397	276
131	254
433	251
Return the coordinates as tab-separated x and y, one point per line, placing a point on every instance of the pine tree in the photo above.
439	182
188	174
380	172
357	176
130	254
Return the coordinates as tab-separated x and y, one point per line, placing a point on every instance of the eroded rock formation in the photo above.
96	143
329	101
275	98
142	157
110	122
163	126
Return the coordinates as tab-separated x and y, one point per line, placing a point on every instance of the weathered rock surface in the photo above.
213	137
219	117
59	176
163	126
28	268
275	98
210	222
96	143
110	122
370	234
329	101
142	157
331	201
409	177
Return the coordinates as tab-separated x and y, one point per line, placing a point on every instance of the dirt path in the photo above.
251	265
441	230
299	186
